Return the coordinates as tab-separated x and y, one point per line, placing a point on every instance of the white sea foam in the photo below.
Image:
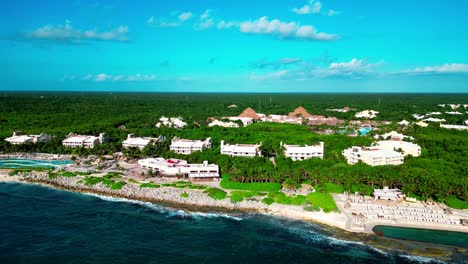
167	211
422	259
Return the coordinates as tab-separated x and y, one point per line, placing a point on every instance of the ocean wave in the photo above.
421	259
167	211
303	230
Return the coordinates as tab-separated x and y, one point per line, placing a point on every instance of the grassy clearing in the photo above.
329	188
281	198
52	175
112	176
133	181
254	186
183	184
68	174
149	185
215	193
239	196
184	195
118	185
322	200
456	203
17	171
90	181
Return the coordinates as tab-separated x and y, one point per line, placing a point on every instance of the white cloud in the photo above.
206	21
103	77
162	22
447	68
87	77
276	27
277	75
276	64
185	16
225	25
205	15
332	12
67	34
313	7
352	69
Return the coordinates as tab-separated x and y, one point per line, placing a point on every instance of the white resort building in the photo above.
393	135
19	138
388	194
245	120
223	124
407	148
241	150
187	146
141	142
180	168
175	122
373	156
457	127
83	141
297	152
404	123
366	114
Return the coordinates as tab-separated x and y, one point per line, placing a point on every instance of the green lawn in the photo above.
322	200
184	195
239	196
281	198
456	203
149	185
255	186
215	193
118	185
68	174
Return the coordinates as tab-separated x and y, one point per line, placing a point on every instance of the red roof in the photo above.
300	111
249	112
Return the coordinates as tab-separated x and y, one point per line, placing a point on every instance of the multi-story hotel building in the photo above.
187	146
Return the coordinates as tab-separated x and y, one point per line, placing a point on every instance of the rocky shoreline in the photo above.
171	197
333	223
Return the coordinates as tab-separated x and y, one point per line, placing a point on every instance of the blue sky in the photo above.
235	46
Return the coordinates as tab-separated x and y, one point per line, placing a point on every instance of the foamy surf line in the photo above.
164	210
304	232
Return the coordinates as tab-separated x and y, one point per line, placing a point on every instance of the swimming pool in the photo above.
32	163
425	235
364	130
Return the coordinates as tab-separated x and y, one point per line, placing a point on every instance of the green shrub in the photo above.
90	181
68	174
184	195
82	173
268	200
149	185
133	181
52	175
17	171
118	185
215	193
